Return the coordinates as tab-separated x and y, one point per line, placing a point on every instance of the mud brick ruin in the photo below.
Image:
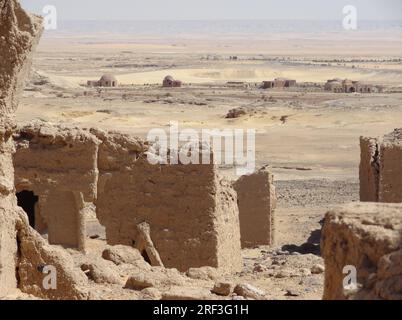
257	202
191	213
19	35
360	235
278	83
381	168
367	236
55	174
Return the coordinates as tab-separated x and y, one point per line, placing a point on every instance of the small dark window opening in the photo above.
27	200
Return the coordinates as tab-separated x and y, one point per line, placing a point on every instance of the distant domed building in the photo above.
107	80
170	82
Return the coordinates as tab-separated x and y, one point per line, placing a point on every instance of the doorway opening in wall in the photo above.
27	200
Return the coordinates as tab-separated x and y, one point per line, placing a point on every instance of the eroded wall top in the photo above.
19	34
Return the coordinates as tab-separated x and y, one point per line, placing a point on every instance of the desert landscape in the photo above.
174	233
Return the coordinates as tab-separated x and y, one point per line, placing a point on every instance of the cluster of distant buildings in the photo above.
334	85
110	81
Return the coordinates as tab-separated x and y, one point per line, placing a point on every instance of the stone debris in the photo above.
156	277
317	269
145	245
187	293
121	254
223	288
248	291
203	273
102	271
235	113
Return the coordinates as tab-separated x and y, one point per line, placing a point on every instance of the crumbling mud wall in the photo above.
177	215
191	213
369	171
390	189
381	168
59	165
8	213
368	237
19	34
22	250
35	254
257	202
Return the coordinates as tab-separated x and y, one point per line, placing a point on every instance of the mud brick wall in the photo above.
390	189
192	213
19	36
60	166
367	236
257	202
381	168
369	170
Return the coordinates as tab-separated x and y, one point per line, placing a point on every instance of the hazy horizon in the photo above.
184	10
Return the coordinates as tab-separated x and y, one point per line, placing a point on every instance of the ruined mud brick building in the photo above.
349	86
367	237
19	34
257	202
22	250
381	168
278	83
55	174
191	213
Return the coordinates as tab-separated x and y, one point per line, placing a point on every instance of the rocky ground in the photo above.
293	268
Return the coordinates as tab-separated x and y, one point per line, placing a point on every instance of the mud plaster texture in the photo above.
381	168
19	35
367	236
257	201
191	212
22	249
59	165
